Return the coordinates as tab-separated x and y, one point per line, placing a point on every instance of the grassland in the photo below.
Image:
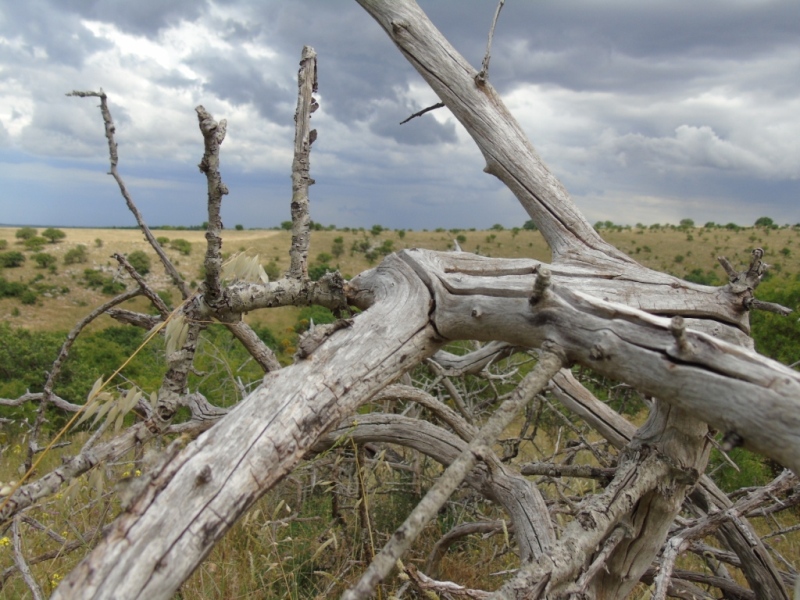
677	251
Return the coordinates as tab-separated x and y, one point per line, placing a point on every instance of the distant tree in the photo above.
376	230
53	235
287	225
530	226
497	227
25	233
764	222
139	261
686	223
44	260
239	227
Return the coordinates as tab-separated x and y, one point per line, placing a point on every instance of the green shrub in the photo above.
239	227
273	271
44	260
530	226
3	244
315	272
287	225
75	255
162	240
139	261
28	297
53	235
95	279
337	249
11	289
182	246
11	259
35	243
98	243
324	257
461	239
26	233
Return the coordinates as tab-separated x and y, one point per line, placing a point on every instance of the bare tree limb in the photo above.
22	566
384	562
114	157
483	74
301	180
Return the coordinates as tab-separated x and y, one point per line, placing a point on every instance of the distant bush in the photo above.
182	246
98	243
324	257
95	279
162	240
698	276
376	230
11	259
273	271
497	227
11	289
287	225
35	243
315	272
3	244
25	233
44	260
76	255
686	224
53	235
461	238
239	227
337	249
530	226
139	261
764	222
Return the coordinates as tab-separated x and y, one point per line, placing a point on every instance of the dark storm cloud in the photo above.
143	17
652	110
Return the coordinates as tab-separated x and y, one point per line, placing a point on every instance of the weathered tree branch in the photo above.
304	136
114	158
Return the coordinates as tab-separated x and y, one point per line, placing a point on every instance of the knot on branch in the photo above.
540	285
677	328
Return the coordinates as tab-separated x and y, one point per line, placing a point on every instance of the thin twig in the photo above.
419	113
22	566
483	74
114	158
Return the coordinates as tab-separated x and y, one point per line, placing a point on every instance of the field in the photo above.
677	251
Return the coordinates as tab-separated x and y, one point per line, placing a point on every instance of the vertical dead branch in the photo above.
213	136
304	136
114	158
483	74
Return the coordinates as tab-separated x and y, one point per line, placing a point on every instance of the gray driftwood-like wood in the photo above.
682	343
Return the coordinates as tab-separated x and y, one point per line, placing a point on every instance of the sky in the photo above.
647	111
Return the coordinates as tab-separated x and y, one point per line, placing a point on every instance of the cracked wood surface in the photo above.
168	530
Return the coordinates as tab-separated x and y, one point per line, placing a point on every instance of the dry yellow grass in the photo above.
676	251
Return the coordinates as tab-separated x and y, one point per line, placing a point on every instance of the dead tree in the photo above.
683	344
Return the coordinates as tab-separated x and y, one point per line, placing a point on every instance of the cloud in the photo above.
671	109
